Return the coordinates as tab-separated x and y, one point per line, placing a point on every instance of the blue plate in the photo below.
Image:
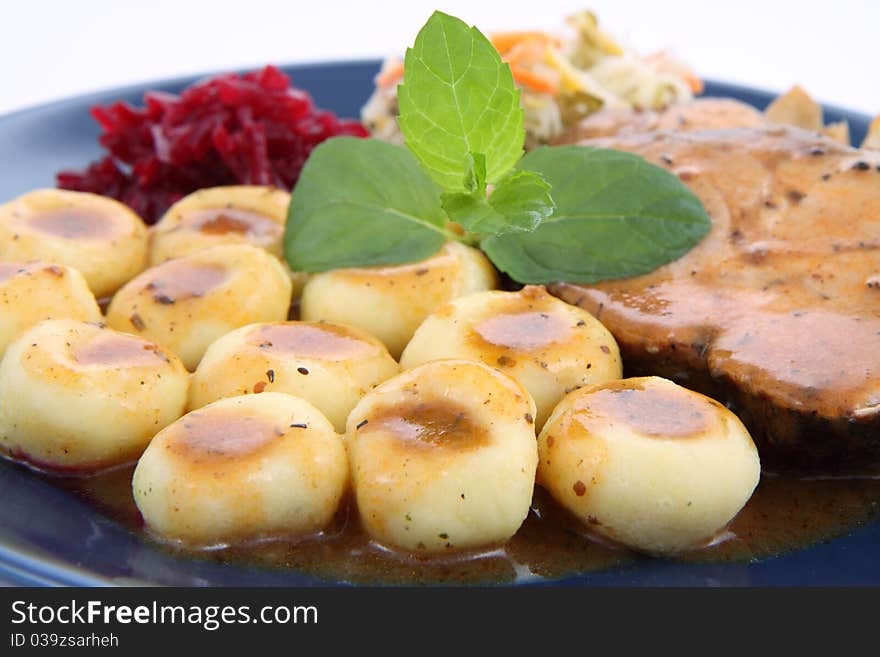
49	536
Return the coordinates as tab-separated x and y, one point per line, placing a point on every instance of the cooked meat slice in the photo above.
777	310
700	114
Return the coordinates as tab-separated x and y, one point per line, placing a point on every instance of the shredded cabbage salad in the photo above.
563	79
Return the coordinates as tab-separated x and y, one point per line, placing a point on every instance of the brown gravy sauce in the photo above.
225	221
443	425
118	349
74	223
663	412
10	269
525	331
323	341
179	280
221	436
784	514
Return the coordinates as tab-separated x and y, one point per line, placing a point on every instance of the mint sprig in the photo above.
617	216
362	202
458	102
560	213
519	203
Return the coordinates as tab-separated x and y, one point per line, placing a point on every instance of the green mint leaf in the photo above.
616	216
362	202
475	176
458	101
519	203
473	212
524	199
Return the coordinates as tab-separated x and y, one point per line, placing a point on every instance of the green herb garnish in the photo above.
560	213
458	104
616	216
362	202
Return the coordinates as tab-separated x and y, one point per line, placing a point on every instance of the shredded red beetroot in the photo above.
252	129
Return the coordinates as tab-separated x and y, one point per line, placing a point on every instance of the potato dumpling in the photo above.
391	302
330	365
443	457
242	468
647	463
186	303
33	292
96	235
75	396
235	214
546	344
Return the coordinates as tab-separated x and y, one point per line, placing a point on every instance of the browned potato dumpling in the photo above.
78	396
33	292
647	463
186	303
443	457
390	302
330	365
100	237
234	214
549	346
242	468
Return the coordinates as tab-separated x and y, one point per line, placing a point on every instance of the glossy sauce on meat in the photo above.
776	312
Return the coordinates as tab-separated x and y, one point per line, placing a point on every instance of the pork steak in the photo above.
777	311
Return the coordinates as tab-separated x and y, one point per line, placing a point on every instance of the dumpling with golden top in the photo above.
30	293
242	468
100	237
233	214
443	457
549	346
647	463
390	302
330	365
186	303
75	396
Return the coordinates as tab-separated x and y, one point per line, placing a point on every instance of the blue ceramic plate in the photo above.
49	536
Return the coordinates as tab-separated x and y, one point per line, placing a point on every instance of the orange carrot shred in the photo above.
391	75
534	80
695	83
504	41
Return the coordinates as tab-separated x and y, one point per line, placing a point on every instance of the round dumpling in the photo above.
76	396
242	468
100	237
234	214
330	365
549	346
186	303
390	302
443	457
647	463
33	292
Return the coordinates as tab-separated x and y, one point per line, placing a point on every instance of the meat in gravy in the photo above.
777	311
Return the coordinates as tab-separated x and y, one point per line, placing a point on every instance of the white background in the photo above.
55	48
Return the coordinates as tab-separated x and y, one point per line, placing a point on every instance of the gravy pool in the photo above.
785	513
